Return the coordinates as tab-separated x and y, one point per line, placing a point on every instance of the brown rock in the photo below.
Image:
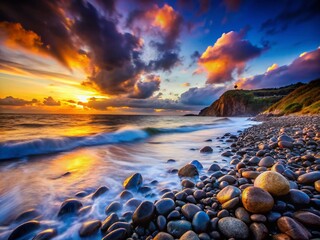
228	193
257	200
317	185
293	229
259	231
281	236
273	182
188	170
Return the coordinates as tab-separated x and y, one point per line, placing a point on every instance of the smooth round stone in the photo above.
273	216
188	170
169	195
84	210
257	200
113	207
24	229
285	138
161	222
250	174
206	149
317	185
190	235
242	214
187	183
227	178
163	236
233	228
266	162
200	222
126	195
199	194
285	144
228	193
178	228
309	178
133	203
254	161
258	218
189	210
111	219
223	213
173	215
191	199
143	214
69	206
231	203
280	236
197	164
259	231
124	225
214	167
90	227
293	229
46	234
278	168
164	206
118	234
307	218
297	197
273	182
28	215
99	192
81	194
133	182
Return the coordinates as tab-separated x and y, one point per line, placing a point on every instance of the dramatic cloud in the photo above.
49	101
303	69
294	13
11	101
201	96
230	53
146	88
194	57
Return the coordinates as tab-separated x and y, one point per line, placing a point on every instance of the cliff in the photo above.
247	102
303	100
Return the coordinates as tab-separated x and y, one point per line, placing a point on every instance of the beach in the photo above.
187	178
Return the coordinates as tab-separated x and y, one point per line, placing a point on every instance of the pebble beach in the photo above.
270	190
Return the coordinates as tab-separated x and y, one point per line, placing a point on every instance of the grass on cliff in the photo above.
303	100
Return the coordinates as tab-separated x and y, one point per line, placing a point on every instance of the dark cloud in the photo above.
165	62
108	5
229	54
201	96
295	12
232	5
49	101
146	88
194	57
302	69
11	101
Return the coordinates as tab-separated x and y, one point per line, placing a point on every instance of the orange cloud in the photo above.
164	17
272	67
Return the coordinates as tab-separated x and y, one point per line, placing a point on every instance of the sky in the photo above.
150	57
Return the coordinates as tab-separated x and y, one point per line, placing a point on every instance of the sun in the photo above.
83	98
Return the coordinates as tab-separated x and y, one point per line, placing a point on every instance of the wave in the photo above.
18	149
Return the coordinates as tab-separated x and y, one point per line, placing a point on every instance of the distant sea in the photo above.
45	159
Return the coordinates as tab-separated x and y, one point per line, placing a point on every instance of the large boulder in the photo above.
257	200
188	170
273	182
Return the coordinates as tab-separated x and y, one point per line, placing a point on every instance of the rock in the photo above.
143	214
309	178
118	225
161	222
28	215
257	200
285	144
228	193
133	203
231	203
133	182
69	206
242	214
273	216
227	154
164	206
293	229
227	178
278	168
233	228
178	228
307	218
118	234
24	229
190	235
188	170
259	231
214	167
199	194
200	222
273	182
258	218
163	236
197	164
99	192
84	210
171	161
90	227
189	210
111	219
187	183
285	138
298	197
126	195
266	162
281	236
317	185
113	207
250	174
206	149
46	234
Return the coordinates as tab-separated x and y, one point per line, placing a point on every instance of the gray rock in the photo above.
163	236
190	235
233	228
178	228
164	206
143	214
200	222
189	210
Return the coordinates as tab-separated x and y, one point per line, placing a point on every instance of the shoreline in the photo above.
220	204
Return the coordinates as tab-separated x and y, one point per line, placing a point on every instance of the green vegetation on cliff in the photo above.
303	100
247	102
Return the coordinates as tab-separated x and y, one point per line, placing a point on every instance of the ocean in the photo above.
46	159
